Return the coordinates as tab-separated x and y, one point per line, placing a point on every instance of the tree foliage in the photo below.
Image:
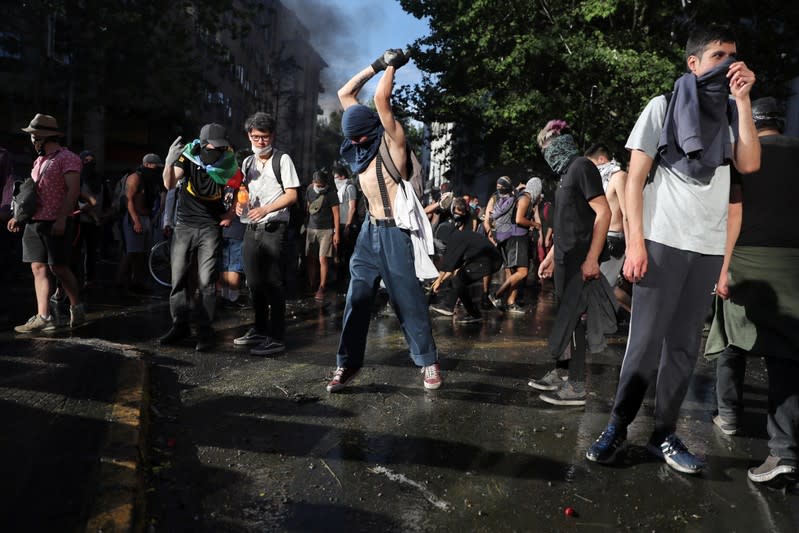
501	70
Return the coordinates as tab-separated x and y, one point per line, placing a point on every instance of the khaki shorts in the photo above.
322	237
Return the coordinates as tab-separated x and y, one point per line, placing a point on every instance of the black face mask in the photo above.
459	219
209	156
88	175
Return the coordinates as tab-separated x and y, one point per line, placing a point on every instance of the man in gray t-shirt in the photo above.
677	233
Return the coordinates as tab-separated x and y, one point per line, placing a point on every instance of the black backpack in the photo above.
296	212
277	155
25	201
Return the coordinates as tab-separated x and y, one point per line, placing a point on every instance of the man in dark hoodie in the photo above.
678	227
383	250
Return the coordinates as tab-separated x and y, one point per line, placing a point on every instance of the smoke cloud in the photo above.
348	35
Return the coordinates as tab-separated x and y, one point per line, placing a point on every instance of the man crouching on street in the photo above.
383	250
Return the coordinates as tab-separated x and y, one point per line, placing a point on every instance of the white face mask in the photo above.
319	189
260	152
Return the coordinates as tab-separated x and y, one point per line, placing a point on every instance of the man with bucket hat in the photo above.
46	238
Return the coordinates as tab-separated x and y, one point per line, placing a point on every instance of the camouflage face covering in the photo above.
560	152
221	170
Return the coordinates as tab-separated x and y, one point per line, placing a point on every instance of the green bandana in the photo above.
221	171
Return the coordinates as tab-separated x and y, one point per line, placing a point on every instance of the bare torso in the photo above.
616	217
371	190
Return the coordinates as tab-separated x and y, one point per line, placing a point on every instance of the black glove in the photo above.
379	64
395	57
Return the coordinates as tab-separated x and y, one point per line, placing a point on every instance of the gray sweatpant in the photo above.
668	311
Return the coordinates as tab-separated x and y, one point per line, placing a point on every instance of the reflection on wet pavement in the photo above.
257	443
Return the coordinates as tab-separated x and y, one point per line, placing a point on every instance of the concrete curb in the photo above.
119	498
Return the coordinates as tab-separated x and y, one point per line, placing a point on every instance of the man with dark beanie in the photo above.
678	227
385	246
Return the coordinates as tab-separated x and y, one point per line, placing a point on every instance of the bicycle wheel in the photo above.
160	265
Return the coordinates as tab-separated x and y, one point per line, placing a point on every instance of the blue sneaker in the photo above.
607	445
676	454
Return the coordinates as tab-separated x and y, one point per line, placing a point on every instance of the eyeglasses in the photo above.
260	138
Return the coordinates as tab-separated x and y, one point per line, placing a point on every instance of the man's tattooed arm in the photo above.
349	91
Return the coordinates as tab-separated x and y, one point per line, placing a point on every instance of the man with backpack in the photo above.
143	199
272	182
322	233
47	237
512	217
396	237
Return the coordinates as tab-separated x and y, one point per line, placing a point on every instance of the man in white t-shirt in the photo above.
677	231
263	252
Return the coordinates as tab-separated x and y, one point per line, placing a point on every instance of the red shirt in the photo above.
50	183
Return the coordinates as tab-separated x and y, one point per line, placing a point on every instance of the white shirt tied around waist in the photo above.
409	215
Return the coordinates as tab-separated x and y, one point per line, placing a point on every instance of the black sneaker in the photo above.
174	335
252	337
771	468
268	347
205	341
496	302
608	444
442	310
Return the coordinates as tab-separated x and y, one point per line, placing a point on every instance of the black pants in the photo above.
264	256
569	270
471	272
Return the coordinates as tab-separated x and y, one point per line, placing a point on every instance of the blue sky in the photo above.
350	34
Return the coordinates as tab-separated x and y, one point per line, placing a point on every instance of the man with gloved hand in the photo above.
395	225
205	165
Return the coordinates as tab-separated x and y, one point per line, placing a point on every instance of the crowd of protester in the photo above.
642	248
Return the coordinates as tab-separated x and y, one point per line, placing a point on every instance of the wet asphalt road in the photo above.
241	443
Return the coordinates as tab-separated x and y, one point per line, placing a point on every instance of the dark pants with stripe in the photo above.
668	311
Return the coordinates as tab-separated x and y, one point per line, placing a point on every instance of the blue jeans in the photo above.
385	252
188	243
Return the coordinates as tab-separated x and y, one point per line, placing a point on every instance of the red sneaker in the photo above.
432	376
341	377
